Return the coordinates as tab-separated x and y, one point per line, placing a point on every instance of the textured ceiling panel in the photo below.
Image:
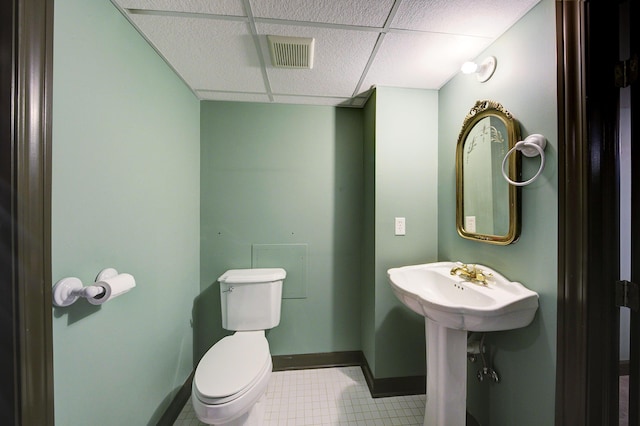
421	60
225	96
208	54
349	12
211	44
487	18
218	7
340	58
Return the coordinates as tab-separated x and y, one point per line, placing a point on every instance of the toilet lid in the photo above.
232	364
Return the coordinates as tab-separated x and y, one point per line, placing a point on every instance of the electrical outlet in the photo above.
470	223
401	227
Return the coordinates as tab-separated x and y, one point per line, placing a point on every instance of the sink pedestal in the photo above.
446	375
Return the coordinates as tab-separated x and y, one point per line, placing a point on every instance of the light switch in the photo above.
401	228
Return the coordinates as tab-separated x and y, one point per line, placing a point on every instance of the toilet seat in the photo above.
231	367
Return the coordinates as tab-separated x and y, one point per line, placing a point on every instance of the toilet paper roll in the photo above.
113	287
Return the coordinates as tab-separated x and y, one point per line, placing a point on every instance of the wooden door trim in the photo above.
588	264
572	247
32	212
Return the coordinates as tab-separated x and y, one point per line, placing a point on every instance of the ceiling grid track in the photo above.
126	13
383	31
256	42
176	14
308	24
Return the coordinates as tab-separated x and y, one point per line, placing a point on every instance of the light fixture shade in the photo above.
486	69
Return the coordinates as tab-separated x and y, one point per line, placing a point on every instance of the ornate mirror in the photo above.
487	207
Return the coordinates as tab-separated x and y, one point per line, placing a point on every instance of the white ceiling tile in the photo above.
349	12
208	54
206	95
218	7
421	60
339	60
487	18
210	44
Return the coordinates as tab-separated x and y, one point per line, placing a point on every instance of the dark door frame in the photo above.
7	313
634	380
588	239
27	52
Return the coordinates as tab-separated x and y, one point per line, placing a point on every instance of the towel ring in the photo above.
532	146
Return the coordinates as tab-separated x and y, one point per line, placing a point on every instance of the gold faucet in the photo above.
471	273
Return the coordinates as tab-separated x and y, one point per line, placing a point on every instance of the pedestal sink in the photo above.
453	305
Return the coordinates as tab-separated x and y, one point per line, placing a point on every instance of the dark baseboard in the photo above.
317	360
623	370
179	400
393	386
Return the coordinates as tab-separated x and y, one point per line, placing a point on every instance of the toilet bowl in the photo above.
232	377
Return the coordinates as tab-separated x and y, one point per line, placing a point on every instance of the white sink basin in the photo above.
452	306
453	302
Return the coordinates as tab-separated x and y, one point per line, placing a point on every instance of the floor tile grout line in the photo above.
327	396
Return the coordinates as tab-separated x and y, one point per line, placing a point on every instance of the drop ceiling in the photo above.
219	47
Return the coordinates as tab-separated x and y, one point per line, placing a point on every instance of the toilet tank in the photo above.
251	298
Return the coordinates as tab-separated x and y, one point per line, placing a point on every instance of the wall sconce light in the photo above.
484	71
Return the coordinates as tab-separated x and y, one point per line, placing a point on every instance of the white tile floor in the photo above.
328	396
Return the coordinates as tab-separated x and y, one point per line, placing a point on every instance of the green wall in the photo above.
284	174
148	180
125	194
525	83
401	172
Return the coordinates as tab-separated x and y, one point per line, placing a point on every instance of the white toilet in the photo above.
233	375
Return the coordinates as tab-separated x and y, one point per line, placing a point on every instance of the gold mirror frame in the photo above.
483	109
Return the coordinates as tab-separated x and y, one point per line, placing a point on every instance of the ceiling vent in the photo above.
291	52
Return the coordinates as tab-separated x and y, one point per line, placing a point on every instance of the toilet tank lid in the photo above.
256	275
